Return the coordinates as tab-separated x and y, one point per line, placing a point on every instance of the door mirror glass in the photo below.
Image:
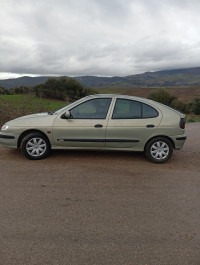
67	114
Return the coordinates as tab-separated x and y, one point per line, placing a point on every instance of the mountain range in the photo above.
189	77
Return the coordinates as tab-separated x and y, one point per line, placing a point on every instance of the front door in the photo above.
86	127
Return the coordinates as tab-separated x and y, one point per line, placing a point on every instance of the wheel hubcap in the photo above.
159	150
36	147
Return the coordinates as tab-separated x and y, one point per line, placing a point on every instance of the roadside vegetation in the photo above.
193	118
56	93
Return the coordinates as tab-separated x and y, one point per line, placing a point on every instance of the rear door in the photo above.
131	122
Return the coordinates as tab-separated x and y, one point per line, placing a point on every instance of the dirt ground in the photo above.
101	208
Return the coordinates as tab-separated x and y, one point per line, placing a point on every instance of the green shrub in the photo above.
162	96
194	106
191	120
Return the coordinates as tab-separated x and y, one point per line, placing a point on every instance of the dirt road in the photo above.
101	208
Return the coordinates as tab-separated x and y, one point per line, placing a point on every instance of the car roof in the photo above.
122	96
114	96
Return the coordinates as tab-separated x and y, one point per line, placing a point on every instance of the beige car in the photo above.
99	122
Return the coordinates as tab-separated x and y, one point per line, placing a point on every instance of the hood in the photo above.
37	115
39	119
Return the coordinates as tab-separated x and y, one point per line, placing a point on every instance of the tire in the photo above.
35	146
159	150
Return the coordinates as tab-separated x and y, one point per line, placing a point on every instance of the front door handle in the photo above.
98	126
150	126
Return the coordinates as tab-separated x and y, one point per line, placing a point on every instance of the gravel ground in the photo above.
101	208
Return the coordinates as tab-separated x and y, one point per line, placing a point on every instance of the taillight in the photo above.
182	123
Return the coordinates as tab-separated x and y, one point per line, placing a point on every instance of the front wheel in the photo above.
35	146
159	150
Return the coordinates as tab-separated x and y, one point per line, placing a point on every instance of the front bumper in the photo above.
8	139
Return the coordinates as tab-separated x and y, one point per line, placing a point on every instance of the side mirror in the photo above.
67	114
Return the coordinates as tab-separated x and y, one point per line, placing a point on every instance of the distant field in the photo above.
184	94
31	102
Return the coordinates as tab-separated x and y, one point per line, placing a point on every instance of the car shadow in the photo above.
89	154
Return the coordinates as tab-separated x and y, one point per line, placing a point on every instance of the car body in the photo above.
99	122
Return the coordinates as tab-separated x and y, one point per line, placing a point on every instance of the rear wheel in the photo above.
35	146
159	150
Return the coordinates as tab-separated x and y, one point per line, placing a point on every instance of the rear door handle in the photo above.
98	126
150	126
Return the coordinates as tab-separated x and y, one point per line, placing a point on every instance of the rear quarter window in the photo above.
148	111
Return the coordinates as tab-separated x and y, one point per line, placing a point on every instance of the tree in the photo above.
4	91
62	88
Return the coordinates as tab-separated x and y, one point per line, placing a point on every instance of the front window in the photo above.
91	109
68	106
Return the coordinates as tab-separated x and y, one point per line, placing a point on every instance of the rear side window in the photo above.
130	109
127	109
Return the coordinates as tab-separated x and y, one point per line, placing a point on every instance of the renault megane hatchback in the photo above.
100	122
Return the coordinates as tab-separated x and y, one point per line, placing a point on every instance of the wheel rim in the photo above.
36	147
159	150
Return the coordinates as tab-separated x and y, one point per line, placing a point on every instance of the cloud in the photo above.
92	37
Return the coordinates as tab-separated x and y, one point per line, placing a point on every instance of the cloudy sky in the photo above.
97	37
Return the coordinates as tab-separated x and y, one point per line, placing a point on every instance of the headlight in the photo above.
4	127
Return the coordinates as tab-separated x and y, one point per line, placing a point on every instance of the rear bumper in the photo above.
179	140
8	139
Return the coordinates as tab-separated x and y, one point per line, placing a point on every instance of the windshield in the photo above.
68	106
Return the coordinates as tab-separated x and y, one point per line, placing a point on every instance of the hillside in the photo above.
23	81
167	78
